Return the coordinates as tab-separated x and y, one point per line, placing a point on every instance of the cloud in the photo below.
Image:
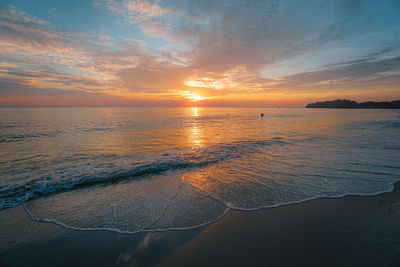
257	33
360	71
37	54
135	11
225	34
12	14
13	93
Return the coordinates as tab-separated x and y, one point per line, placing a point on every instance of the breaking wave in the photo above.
167	161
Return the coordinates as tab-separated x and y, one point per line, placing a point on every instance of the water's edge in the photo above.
392	186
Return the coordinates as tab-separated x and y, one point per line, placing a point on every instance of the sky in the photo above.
197	53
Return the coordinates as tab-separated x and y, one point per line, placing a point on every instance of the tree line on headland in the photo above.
343	103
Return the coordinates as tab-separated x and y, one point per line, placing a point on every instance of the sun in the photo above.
195	97
191	96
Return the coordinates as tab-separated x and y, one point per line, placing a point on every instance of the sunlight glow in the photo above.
191	96
195	97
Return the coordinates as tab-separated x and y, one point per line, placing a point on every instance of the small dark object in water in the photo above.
262	115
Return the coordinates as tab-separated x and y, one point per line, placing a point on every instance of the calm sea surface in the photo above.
146	169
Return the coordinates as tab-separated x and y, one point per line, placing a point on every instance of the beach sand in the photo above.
348	231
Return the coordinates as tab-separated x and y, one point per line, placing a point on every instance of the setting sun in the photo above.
195	98
191	96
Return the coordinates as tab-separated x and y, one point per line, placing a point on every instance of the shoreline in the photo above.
205	224
21	236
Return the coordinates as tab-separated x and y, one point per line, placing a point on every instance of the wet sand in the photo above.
349	231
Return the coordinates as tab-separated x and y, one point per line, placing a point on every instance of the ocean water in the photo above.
153	169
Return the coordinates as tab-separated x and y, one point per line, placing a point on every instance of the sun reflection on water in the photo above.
195	136
195	132
195	112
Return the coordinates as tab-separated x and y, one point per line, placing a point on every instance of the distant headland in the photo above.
343	103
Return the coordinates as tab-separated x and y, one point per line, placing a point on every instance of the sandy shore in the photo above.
349	231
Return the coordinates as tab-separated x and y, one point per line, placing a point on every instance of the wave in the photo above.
24	137
9	138
167	161
380	124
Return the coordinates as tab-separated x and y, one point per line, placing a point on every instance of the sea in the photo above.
134	170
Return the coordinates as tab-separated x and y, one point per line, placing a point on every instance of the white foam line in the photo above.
35	219
228	205
318	197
